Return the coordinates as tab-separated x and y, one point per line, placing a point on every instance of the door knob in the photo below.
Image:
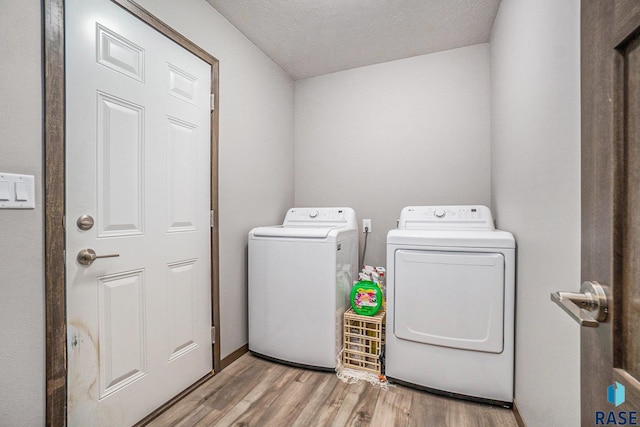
587	307
87	256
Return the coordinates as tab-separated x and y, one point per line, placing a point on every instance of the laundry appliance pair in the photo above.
450	296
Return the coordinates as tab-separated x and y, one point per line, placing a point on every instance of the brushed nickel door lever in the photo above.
87	256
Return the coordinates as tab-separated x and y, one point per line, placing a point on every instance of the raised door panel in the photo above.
181	172
182	85
119	54
120	170
182	288
122	330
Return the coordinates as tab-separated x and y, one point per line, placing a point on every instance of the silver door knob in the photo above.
87	256
587	307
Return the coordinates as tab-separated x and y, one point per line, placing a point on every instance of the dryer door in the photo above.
450	299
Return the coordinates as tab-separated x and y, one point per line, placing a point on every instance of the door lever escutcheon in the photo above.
87	256
587	307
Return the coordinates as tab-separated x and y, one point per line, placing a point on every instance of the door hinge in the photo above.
64	222
213	101
213	335
212	219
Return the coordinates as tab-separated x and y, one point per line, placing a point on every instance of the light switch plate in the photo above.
24	186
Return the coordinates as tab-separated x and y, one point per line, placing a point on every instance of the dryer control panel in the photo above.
463	217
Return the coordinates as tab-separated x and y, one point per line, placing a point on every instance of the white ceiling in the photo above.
313	37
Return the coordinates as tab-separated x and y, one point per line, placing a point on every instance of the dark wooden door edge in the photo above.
54	198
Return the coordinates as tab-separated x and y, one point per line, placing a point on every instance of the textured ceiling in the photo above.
313	37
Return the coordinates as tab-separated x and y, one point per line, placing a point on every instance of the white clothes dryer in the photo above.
450	303
300	277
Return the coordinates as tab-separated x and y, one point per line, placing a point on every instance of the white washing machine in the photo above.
450	303
300	277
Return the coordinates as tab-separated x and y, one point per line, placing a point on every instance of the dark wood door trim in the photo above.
56	366
54	199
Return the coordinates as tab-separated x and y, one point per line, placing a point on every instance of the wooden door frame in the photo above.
54	199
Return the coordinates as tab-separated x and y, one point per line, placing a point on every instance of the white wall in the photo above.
22	335
535	69
407	132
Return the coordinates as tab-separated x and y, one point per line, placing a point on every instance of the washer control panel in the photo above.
446	217
320	217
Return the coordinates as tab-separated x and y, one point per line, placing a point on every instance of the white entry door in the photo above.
138	164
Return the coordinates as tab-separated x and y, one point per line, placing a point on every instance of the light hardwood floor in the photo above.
256	392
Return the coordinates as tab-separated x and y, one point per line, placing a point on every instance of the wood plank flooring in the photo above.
260	393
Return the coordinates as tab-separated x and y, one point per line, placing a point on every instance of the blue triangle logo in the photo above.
615	394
